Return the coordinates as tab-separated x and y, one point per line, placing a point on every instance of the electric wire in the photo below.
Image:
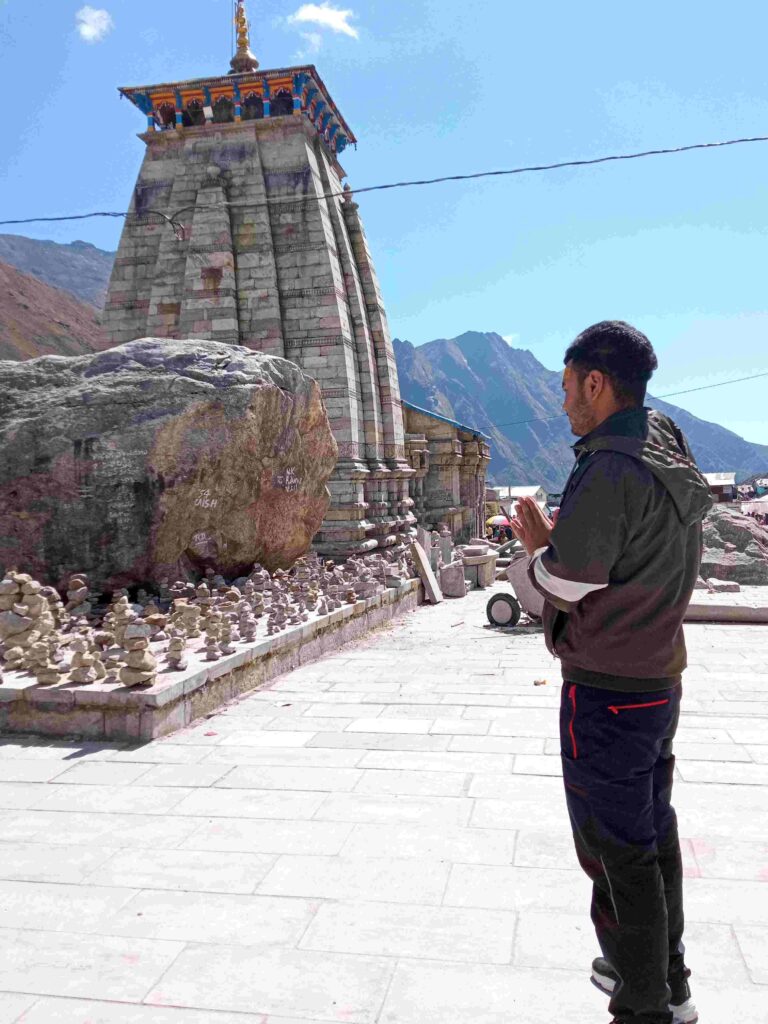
669	394
534	168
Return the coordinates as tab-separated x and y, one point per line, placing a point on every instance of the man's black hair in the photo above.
621	352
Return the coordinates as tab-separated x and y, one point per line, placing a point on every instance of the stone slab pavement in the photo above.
377	838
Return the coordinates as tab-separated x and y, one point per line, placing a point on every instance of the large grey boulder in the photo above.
157	459
735	548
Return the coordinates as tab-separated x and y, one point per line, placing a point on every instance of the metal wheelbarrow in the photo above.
506	609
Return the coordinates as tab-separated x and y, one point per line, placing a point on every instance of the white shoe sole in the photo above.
685	1013
603	982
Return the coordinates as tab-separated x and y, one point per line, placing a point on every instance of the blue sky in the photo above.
676	245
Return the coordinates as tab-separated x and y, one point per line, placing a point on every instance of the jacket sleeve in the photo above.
590	534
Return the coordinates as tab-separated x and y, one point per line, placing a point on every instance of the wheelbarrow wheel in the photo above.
503	610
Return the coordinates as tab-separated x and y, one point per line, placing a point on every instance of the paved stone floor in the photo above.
378	837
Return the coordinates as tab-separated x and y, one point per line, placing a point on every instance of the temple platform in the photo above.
116	712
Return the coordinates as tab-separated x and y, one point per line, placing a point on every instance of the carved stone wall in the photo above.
265	259
450	462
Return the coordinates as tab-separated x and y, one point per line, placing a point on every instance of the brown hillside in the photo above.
38	320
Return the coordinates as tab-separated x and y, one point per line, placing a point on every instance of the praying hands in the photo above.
531	526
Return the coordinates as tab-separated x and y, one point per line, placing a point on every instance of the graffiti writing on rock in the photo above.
206	501
287	480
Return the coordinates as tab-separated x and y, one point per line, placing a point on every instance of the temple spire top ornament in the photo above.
243	60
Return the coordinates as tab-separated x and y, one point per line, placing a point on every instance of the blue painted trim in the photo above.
446	419
143	102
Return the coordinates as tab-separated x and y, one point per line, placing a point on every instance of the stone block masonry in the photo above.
267	261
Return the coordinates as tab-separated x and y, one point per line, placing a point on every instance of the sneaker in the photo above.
606	979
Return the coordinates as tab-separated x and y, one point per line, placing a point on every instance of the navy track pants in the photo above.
618	768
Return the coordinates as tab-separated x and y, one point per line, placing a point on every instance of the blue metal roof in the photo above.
446	419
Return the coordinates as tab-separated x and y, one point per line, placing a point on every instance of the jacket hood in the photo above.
655	440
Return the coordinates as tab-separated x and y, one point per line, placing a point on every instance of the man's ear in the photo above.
595	384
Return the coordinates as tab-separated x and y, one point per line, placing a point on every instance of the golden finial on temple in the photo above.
243	60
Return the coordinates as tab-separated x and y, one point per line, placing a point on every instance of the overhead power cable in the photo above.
669	394
563	164
534	168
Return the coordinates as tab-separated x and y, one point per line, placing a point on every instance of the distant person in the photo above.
508	534
617	571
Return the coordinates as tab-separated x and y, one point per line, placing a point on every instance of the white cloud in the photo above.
93	24
326	16
511	339
313	44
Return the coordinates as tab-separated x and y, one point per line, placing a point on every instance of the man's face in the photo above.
576	406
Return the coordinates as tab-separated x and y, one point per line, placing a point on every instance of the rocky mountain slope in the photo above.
37	320
79	268
505	392
476	378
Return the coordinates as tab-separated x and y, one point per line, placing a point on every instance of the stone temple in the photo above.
240	231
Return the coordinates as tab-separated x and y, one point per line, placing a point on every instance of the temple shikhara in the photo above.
240	230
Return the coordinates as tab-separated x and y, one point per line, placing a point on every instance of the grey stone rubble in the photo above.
735	548
458	568
130	643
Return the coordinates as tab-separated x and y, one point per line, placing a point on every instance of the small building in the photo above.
722	486
761	486
509	495
450	461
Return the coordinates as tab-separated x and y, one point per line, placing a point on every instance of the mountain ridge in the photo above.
38	320
77	267
480	380
476	378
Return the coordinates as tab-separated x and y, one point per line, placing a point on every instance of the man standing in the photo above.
617	570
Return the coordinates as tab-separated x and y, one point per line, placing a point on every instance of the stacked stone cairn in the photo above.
78	597
25	620
176	657
128	643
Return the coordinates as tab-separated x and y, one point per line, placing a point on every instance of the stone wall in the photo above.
267	260
450	462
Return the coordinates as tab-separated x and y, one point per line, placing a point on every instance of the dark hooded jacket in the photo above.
630	525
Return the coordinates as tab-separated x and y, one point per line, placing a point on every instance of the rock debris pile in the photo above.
735	548
127	643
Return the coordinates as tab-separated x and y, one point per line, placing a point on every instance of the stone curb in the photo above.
120	713
726	613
